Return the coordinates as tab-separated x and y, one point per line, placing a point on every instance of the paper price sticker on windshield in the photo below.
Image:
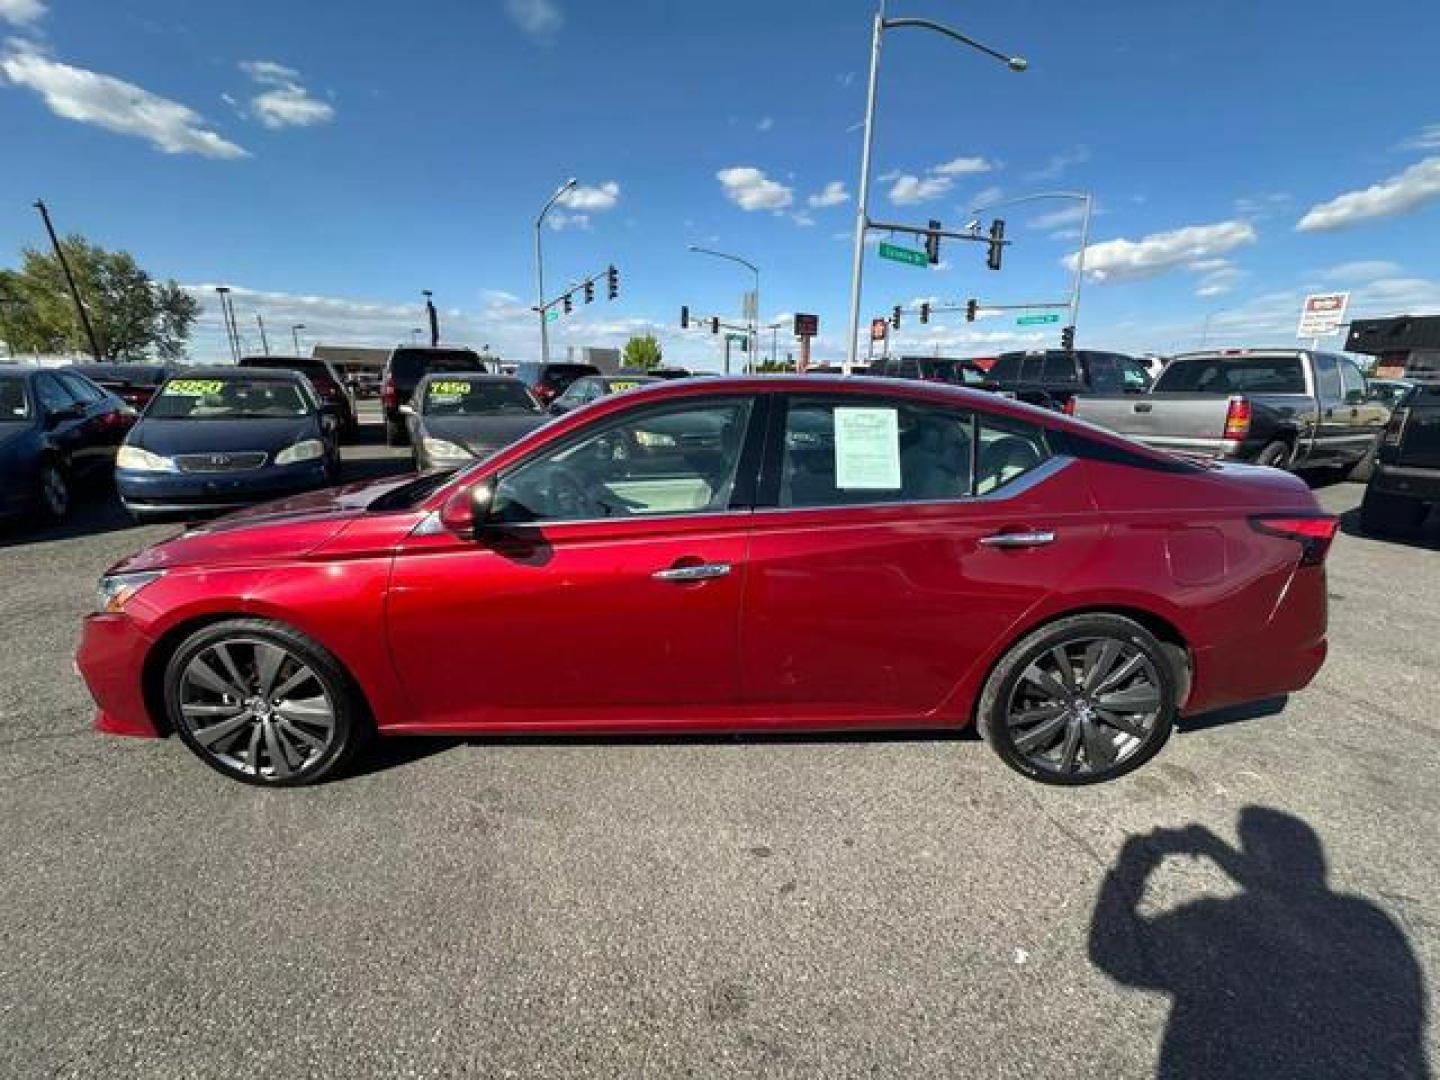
193	387
616	387
443	389
867	449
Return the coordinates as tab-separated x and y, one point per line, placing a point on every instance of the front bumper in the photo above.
110	659
1412	482
168	493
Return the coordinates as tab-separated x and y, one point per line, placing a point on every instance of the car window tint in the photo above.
1058	367
13	405
1133	376
1351	378
858	450
1006	368
51	394
676	460
1227	375
1327	376
1104	373
1006	450
80	389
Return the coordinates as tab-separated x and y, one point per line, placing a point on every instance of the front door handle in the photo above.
697	572
1036	538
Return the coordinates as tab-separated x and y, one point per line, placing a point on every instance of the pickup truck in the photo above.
1405	483
1290	408
1054	378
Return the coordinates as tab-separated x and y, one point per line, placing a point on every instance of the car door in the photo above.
1367	417
896	542
64	421
102	427
608	592
1332	428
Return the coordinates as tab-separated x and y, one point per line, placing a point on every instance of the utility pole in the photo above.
433	316
295	335
562	190
264	341
227	315
70	278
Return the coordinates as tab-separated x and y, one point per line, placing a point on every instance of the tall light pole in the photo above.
540	269
755	320
295	335
70	280
862	216
232	332
264	341
1082	196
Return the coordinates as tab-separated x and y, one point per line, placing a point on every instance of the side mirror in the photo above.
467	512
407	410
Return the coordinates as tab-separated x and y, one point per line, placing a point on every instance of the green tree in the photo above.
770	367
134	317
642	353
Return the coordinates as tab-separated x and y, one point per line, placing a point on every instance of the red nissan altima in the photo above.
793	553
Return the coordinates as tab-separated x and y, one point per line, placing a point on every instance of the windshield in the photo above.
14	403
475	397
1231	375
228	399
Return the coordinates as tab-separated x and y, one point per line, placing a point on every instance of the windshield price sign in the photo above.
1322	314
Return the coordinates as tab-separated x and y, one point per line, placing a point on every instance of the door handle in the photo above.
698	572
1036	538
1143	406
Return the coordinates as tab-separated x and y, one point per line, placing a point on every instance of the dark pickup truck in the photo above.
1405	482
1054	378
1290	408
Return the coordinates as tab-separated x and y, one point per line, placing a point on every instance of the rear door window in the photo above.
80	389
1104	374
1058	367
1006	449
53	397
1352	381
1327	377
1006	368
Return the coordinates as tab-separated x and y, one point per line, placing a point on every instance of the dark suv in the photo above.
930	369
404	370
1053	377
328	383
1405	480
549	381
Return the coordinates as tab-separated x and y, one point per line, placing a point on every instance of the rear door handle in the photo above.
1037	538
698	572
1143	406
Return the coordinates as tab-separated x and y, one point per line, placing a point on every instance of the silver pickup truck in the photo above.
1291	408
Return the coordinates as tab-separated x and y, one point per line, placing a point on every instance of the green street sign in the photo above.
552	314
736	339
1036	320
904	255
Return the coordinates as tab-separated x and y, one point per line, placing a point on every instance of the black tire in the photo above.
1383	513
1133	747
53	492
1362	469
1275	454
350	719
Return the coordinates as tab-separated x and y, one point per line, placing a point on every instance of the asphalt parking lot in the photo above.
792	907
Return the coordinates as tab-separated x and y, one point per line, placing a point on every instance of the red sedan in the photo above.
738	555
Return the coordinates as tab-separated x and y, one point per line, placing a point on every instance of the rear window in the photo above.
557	374
1006	368
1231	375
408	365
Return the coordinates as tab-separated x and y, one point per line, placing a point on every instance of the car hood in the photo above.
271	532
171	437
483	433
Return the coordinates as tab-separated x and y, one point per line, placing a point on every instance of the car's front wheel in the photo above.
1082	700
263	703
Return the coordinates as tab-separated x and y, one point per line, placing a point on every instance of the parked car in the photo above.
808	554
549	381
1055	378
133	384
1388	392
455	418
1405	482
591	387
1289	408
335	394
658	373
57	430
220	438
405	368
929	368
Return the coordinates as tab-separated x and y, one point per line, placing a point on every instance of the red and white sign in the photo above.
1322	314
879	329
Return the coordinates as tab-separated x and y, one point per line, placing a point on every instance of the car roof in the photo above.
232	371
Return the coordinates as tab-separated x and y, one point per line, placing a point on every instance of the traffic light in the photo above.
589	291
997	243
972	308
895	317
612	283
925	312
715	324
1067	339
684	317
932	243
569	304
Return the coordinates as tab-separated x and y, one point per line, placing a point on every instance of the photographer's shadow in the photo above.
1287	979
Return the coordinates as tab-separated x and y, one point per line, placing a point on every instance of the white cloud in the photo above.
1427	139
985	196
1121	260
1362	270
962	166
1055	219
833	194
1399	194
560	220
91	98
909	189
592	199
21	12
541	19
1059	164
1221	276
750	189
765	124
284	102
1263	206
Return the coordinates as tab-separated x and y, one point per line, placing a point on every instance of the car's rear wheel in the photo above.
1275	454
54	491
1383	513
1083	700
263	703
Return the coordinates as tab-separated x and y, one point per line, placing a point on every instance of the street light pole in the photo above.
862	203
227	317
264	341
295	335
754	322
540	269
1078	277
70	279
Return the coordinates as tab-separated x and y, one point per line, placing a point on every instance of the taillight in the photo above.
544	393
1069	407
387	392
1395	429
1313	532
1237	418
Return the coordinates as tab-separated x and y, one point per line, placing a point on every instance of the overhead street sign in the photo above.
806	325
1036	320
552	314
905	255
1322	314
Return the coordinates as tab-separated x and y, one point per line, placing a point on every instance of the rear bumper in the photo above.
1411	481
167	493
110	659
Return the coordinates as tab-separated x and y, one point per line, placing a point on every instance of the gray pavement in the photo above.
826	907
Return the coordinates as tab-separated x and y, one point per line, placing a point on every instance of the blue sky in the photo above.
329	160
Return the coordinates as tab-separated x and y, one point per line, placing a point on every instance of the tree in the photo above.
642	353
133	316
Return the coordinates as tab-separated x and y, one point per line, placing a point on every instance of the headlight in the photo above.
445	450
305	450
134	457
116	590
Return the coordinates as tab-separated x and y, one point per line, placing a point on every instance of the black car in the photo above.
456	418
585	390
133	384
404	370
657	373
328	382
549	381
1405	478
57	429
929	369
1052	378
220	438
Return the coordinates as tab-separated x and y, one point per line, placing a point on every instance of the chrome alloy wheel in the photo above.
256	708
